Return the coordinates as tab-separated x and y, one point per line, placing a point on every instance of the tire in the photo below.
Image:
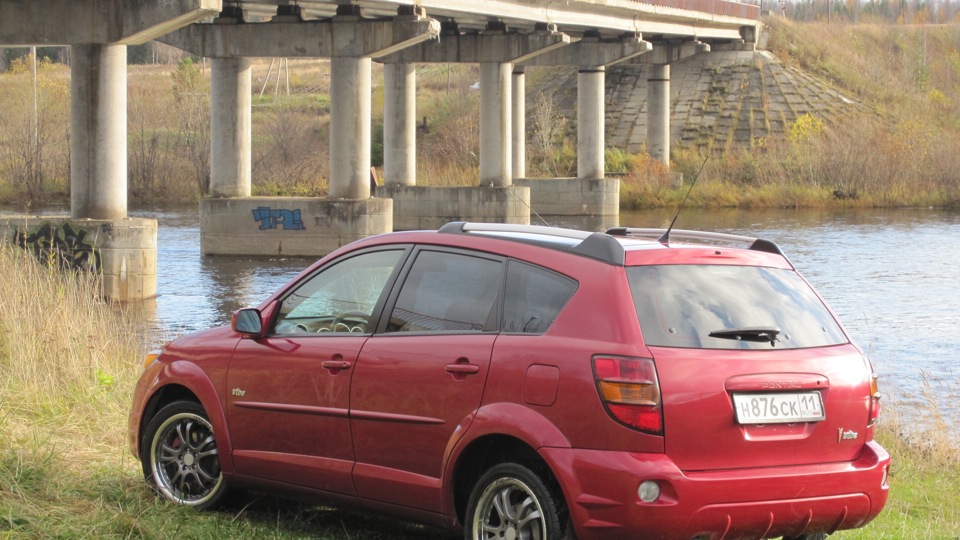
811	536
511	501
180	458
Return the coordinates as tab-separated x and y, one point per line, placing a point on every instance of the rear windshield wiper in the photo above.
757	334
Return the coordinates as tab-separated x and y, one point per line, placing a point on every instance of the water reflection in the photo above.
890	275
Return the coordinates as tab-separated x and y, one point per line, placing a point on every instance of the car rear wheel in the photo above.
511	501
180	458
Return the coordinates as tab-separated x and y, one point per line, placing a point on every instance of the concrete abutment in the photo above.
122	251
289	226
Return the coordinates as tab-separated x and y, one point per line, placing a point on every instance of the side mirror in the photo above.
247	321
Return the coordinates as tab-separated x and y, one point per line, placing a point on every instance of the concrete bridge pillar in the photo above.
658	93
590	123
98	142
400	124
519	115
658	112
495	124
350	127
230	102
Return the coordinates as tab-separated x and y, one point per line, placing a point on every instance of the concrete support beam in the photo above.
495	124
67	22
340	36
669	53
658	113
519	117
350	127
590	123
591	52
479	49
98	142
400	124
230	127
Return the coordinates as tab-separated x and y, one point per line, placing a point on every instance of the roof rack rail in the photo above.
753	243
595	245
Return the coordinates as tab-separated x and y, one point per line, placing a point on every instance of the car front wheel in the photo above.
179	456
511	501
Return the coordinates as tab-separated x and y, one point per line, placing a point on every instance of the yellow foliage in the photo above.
805	128
937	98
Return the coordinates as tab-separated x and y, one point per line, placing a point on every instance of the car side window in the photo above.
447	292
339	298
533	298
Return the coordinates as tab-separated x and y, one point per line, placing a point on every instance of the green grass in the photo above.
68	364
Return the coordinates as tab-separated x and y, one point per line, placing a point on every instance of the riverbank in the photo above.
68	364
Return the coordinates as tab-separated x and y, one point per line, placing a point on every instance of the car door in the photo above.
288	393
421	376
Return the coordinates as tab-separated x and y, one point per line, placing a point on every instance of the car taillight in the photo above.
874	399
630	391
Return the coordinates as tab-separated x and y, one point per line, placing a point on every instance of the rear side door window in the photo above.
448	292
533	298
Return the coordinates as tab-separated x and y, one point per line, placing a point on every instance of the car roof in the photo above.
613	245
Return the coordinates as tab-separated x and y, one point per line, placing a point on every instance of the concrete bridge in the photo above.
502	36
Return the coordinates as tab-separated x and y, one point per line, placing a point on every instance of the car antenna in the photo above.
665	239
532	211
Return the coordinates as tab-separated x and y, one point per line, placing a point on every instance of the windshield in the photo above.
729	307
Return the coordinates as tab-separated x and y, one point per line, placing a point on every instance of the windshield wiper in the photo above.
756	334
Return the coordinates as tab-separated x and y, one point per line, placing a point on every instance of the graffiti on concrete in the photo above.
62	245
270	218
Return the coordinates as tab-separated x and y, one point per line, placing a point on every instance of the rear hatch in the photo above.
754	370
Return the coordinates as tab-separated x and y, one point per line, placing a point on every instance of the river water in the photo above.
890	275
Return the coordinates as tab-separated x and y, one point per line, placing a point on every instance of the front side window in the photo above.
447	292
339	298
534	297
729	307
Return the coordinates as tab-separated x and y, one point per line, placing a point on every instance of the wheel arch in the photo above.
503	432
190	384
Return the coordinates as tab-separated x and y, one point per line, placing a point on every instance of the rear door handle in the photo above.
462	369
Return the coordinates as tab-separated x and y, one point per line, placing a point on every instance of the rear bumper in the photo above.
601	491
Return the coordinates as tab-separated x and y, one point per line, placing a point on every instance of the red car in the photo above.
531	382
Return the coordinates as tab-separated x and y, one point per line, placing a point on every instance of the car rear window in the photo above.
682	305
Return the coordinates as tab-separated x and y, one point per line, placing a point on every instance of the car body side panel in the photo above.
289	409
409	395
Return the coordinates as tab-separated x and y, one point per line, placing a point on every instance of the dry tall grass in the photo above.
68	362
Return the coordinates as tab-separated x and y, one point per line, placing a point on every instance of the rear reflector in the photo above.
874	399
630	391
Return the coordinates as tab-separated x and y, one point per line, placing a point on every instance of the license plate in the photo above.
778	408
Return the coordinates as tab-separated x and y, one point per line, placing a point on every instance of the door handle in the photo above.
462	369
335	365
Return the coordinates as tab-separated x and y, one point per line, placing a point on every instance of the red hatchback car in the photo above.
531	382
